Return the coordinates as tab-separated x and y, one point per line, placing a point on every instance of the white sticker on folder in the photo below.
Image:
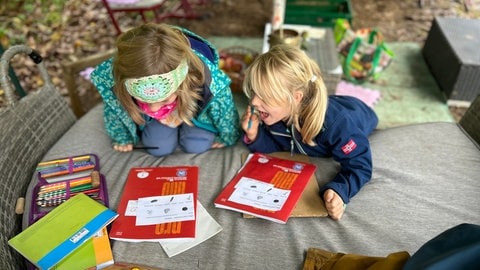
246	182
131	210
271	199
164	209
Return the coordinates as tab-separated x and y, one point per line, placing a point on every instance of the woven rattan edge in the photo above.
30	126
470	121
70	71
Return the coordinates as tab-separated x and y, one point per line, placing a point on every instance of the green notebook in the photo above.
62	231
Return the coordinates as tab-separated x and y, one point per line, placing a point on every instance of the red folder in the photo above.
155	181
283	174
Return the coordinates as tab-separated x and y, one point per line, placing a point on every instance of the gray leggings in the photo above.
191	139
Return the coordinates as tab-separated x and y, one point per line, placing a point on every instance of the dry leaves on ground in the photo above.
65	31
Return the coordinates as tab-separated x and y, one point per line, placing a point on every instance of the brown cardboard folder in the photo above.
310	203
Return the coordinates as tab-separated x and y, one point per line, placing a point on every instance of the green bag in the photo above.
363	53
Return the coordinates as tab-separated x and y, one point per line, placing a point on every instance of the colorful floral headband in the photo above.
157	87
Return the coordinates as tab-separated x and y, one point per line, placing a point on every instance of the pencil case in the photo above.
60	179
62	169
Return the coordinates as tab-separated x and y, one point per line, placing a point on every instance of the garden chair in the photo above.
162	9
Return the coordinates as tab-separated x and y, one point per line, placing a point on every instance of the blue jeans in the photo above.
191	139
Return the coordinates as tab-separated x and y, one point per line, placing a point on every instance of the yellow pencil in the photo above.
60	186
65	160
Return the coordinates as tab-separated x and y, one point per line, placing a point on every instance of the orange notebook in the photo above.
96	253
266	187
170	190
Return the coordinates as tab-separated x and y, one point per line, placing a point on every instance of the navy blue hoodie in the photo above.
344	136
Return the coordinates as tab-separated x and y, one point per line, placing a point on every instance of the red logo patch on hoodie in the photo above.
349	147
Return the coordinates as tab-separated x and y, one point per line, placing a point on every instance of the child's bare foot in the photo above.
334	204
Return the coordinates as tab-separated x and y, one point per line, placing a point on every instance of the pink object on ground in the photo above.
86	73
122	2
369	96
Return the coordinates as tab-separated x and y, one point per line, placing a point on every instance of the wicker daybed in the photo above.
425	180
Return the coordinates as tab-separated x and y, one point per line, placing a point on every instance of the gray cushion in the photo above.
425	180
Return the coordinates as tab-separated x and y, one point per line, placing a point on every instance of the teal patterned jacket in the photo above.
219	115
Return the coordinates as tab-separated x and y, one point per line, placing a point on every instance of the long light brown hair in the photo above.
155	49
276	75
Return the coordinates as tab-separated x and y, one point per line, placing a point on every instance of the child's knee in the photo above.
195	140
196	146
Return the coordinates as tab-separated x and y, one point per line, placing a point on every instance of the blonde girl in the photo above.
290	110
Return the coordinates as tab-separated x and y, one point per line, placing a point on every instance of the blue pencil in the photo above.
252	110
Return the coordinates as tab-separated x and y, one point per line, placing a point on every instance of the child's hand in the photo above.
334	204
250	122
123	147
218	145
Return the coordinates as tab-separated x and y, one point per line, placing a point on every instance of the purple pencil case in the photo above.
60	179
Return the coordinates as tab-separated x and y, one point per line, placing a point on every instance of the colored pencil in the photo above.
62	161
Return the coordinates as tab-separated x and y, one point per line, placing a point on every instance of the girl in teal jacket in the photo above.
164	87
